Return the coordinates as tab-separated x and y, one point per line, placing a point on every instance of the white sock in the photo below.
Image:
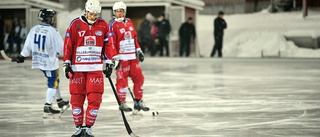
58	95
50	94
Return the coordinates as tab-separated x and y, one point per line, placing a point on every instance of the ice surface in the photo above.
195	98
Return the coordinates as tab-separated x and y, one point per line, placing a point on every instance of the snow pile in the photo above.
248	35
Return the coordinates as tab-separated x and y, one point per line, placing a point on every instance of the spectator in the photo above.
187	32
219	26
10	40
16	37
23	34
144	34
164	29
1	33
155	40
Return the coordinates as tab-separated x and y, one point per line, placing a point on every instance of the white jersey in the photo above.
45	44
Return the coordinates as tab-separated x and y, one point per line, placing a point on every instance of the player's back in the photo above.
45	43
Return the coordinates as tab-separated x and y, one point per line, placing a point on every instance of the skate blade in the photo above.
136	113
145	110
64	108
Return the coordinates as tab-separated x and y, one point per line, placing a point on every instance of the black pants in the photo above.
1	42
163	44
217	46
148	44
184	47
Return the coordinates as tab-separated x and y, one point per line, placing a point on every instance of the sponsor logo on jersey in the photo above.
98	33
88	59
44	31
93	112
78	26
76	111
78	58
88	50
89	40
123	90
127	35
39	54
122	30
37	30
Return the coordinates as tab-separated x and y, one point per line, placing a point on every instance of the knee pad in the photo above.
77	100
138	80
94	99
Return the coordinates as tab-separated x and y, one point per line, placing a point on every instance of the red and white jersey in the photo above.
123	36
85	46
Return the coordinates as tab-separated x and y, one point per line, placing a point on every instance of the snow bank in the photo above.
248	35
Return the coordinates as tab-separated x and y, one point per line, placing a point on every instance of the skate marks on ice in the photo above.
254	98
194	98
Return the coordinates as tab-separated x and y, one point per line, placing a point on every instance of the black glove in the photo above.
67	70
140	56
108	70
20	59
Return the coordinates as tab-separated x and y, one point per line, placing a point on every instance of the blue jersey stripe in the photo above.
112	22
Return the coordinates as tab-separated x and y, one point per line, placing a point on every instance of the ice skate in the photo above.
49	111
125	107
79	132
139	105
63	105
87	132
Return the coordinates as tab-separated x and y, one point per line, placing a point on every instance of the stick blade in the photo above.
133	135
4	55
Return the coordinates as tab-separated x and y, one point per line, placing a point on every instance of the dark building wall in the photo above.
189	13
10	15
311	3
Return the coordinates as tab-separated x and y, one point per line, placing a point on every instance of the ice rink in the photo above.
195	97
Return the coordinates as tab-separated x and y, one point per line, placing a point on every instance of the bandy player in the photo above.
85	51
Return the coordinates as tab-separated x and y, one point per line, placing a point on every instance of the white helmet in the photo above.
119	5
93	6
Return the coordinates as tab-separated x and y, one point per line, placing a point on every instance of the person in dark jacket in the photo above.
144	34
1	33
186	33
219	26
163	32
